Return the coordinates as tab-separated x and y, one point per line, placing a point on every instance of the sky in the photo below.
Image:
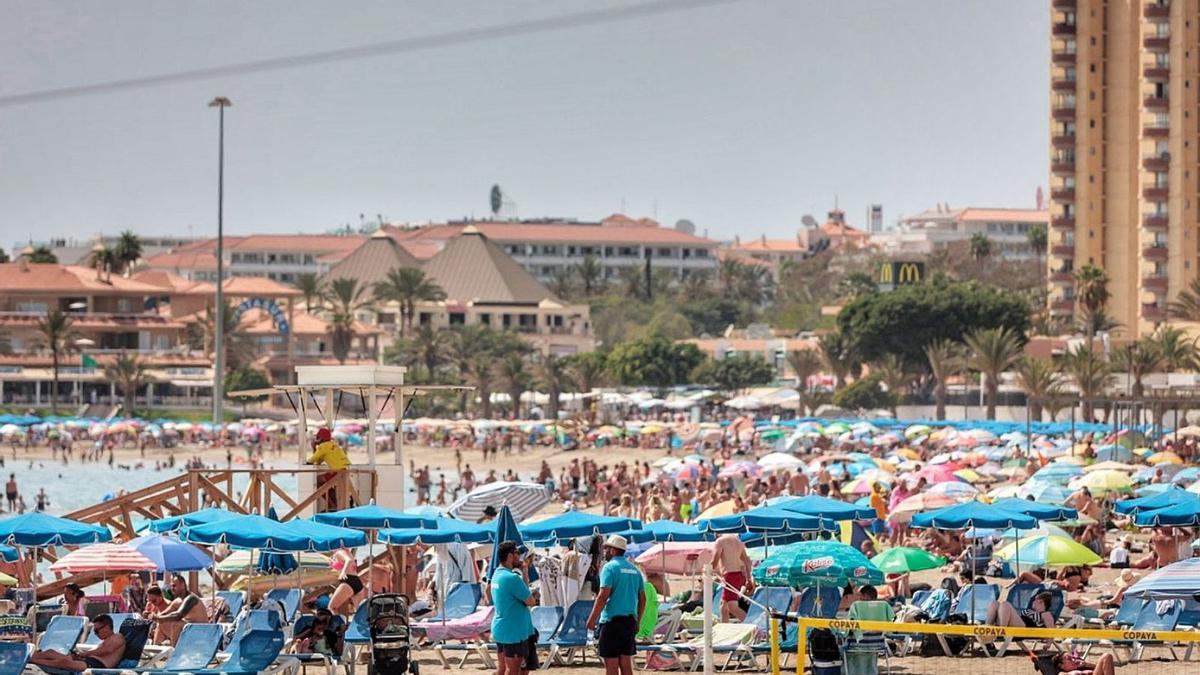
740	116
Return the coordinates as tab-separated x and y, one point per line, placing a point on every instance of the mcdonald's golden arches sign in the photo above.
894	273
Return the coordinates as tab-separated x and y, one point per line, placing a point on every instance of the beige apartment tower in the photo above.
1125	153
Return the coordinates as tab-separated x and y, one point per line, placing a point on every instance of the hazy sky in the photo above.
741	117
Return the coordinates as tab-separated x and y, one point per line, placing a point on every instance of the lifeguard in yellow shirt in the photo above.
326	451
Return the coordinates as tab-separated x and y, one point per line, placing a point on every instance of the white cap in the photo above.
616	541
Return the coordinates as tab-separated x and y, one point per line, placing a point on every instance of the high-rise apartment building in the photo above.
1125	153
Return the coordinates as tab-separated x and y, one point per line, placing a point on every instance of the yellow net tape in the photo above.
979	631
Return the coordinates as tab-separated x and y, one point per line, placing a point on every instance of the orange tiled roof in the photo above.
53	278
844	231
771	245
191	259
308	243
247	286
613	230
740	256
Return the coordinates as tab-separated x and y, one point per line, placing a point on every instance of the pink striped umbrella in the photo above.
103	558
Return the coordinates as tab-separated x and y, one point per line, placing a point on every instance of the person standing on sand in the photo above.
732	562
618	608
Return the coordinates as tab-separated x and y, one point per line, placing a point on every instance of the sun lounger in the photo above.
974	600
62	634
233	600
462	600
358	632
821	603
196	648
14	656
468	631
572	637
289	599
118	620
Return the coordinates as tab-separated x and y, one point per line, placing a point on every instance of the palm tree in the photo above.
894	374
729	275
103	259
1038	241
1178	352
1089	374
562	283
838	356
1138	359
129	374
430	346
240	348
945	361
1040	381
633	280
511	370
591	274
309	285
468	342
588	370
552	374
42	254
979	246
344	298
754	284
57	334
806	363
1187	304
991	351
408	286
481	374
128	251
1091	291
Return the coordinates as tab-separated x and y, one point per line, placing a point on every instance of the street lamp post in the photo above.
220	103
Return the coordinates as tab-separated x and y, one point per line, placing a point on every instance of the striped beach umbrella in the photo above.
522	499
104	558
1177	580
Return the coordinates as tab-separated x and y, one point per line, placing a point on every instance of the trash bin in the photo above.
826	667
860	661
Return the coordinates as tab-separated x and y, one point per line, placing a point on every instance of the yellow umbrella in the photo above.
1102	482
1166	457
652	429
1109	466
908	453
724	508
885	465
1070	459
6	580
968	475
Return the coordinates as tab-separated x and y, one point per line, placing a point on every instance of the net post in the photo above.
801	645
774	626
707	585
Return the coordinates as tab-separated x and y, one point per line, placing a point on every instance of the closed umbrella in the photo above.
506	529
902	559
522	499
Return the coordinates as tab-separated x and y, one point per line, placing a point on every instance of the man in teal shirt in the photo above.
618	607
512	625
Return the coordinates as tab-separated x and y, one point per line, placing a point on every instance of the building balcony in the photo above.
1063	112
1063	57
1156	282
1063	4
1062	306
1063	222
1062	277
1156	162
1063	83
1064	28
1157	10
1157	71
1154	221
1062	165
1157	42
1152	312
1156	131
1156	253
1064	194
1155	192
1156	103
1063	250
1063	139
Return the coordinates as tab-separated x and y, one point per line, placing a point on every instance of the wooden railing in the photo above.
198	488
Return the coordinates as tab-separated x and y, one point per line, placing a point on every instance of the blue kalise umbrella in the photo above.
375	517
447	531
816	505
173	523
666	530
1039	511
170	554
574	524
1168	497
816	563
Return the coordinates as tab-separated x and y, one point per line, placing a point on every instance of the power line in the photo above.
419	43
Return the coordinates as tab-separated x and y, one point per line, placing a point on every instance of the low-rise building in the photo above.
940	227
280	257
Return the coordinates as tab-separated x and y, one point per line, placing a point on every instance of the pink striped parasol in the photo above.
104	558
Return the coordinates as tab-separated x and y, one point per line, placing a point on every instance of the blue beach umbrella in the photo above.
374	517
1039	511
39	530
506	529
170	554
816	505
262	533
666	530
9	554
765	518
574	524
973	514
1044	492
1170	496
447	531
276	563
1186	513
173	523
816	563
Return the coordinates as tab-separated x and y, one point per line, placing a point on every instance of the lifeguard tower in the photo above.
317	394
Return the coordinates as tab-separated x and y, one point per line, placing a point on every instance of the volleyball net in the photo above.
849	647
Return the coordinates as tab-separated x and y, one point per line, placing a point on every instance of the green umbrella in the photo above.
816	563
1049	551
771	435
903	559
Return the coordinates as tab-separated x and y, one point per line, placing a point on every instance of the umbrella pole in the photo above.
974	542
249	574
441	584
33	581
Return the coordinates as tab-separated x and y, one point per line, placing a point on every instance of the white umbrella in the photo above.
523	499
779	460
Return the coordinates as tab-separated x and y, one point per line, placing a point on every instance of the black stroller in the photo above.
387	619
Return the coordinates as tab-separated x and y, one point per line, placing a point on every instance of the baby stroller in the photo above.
387	618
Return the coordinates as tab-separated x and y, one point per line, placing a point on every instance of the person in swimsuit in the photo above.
732	562
349	585
107	654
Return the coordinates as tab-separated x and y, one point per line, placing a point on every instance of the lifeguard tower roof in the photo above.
350	376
